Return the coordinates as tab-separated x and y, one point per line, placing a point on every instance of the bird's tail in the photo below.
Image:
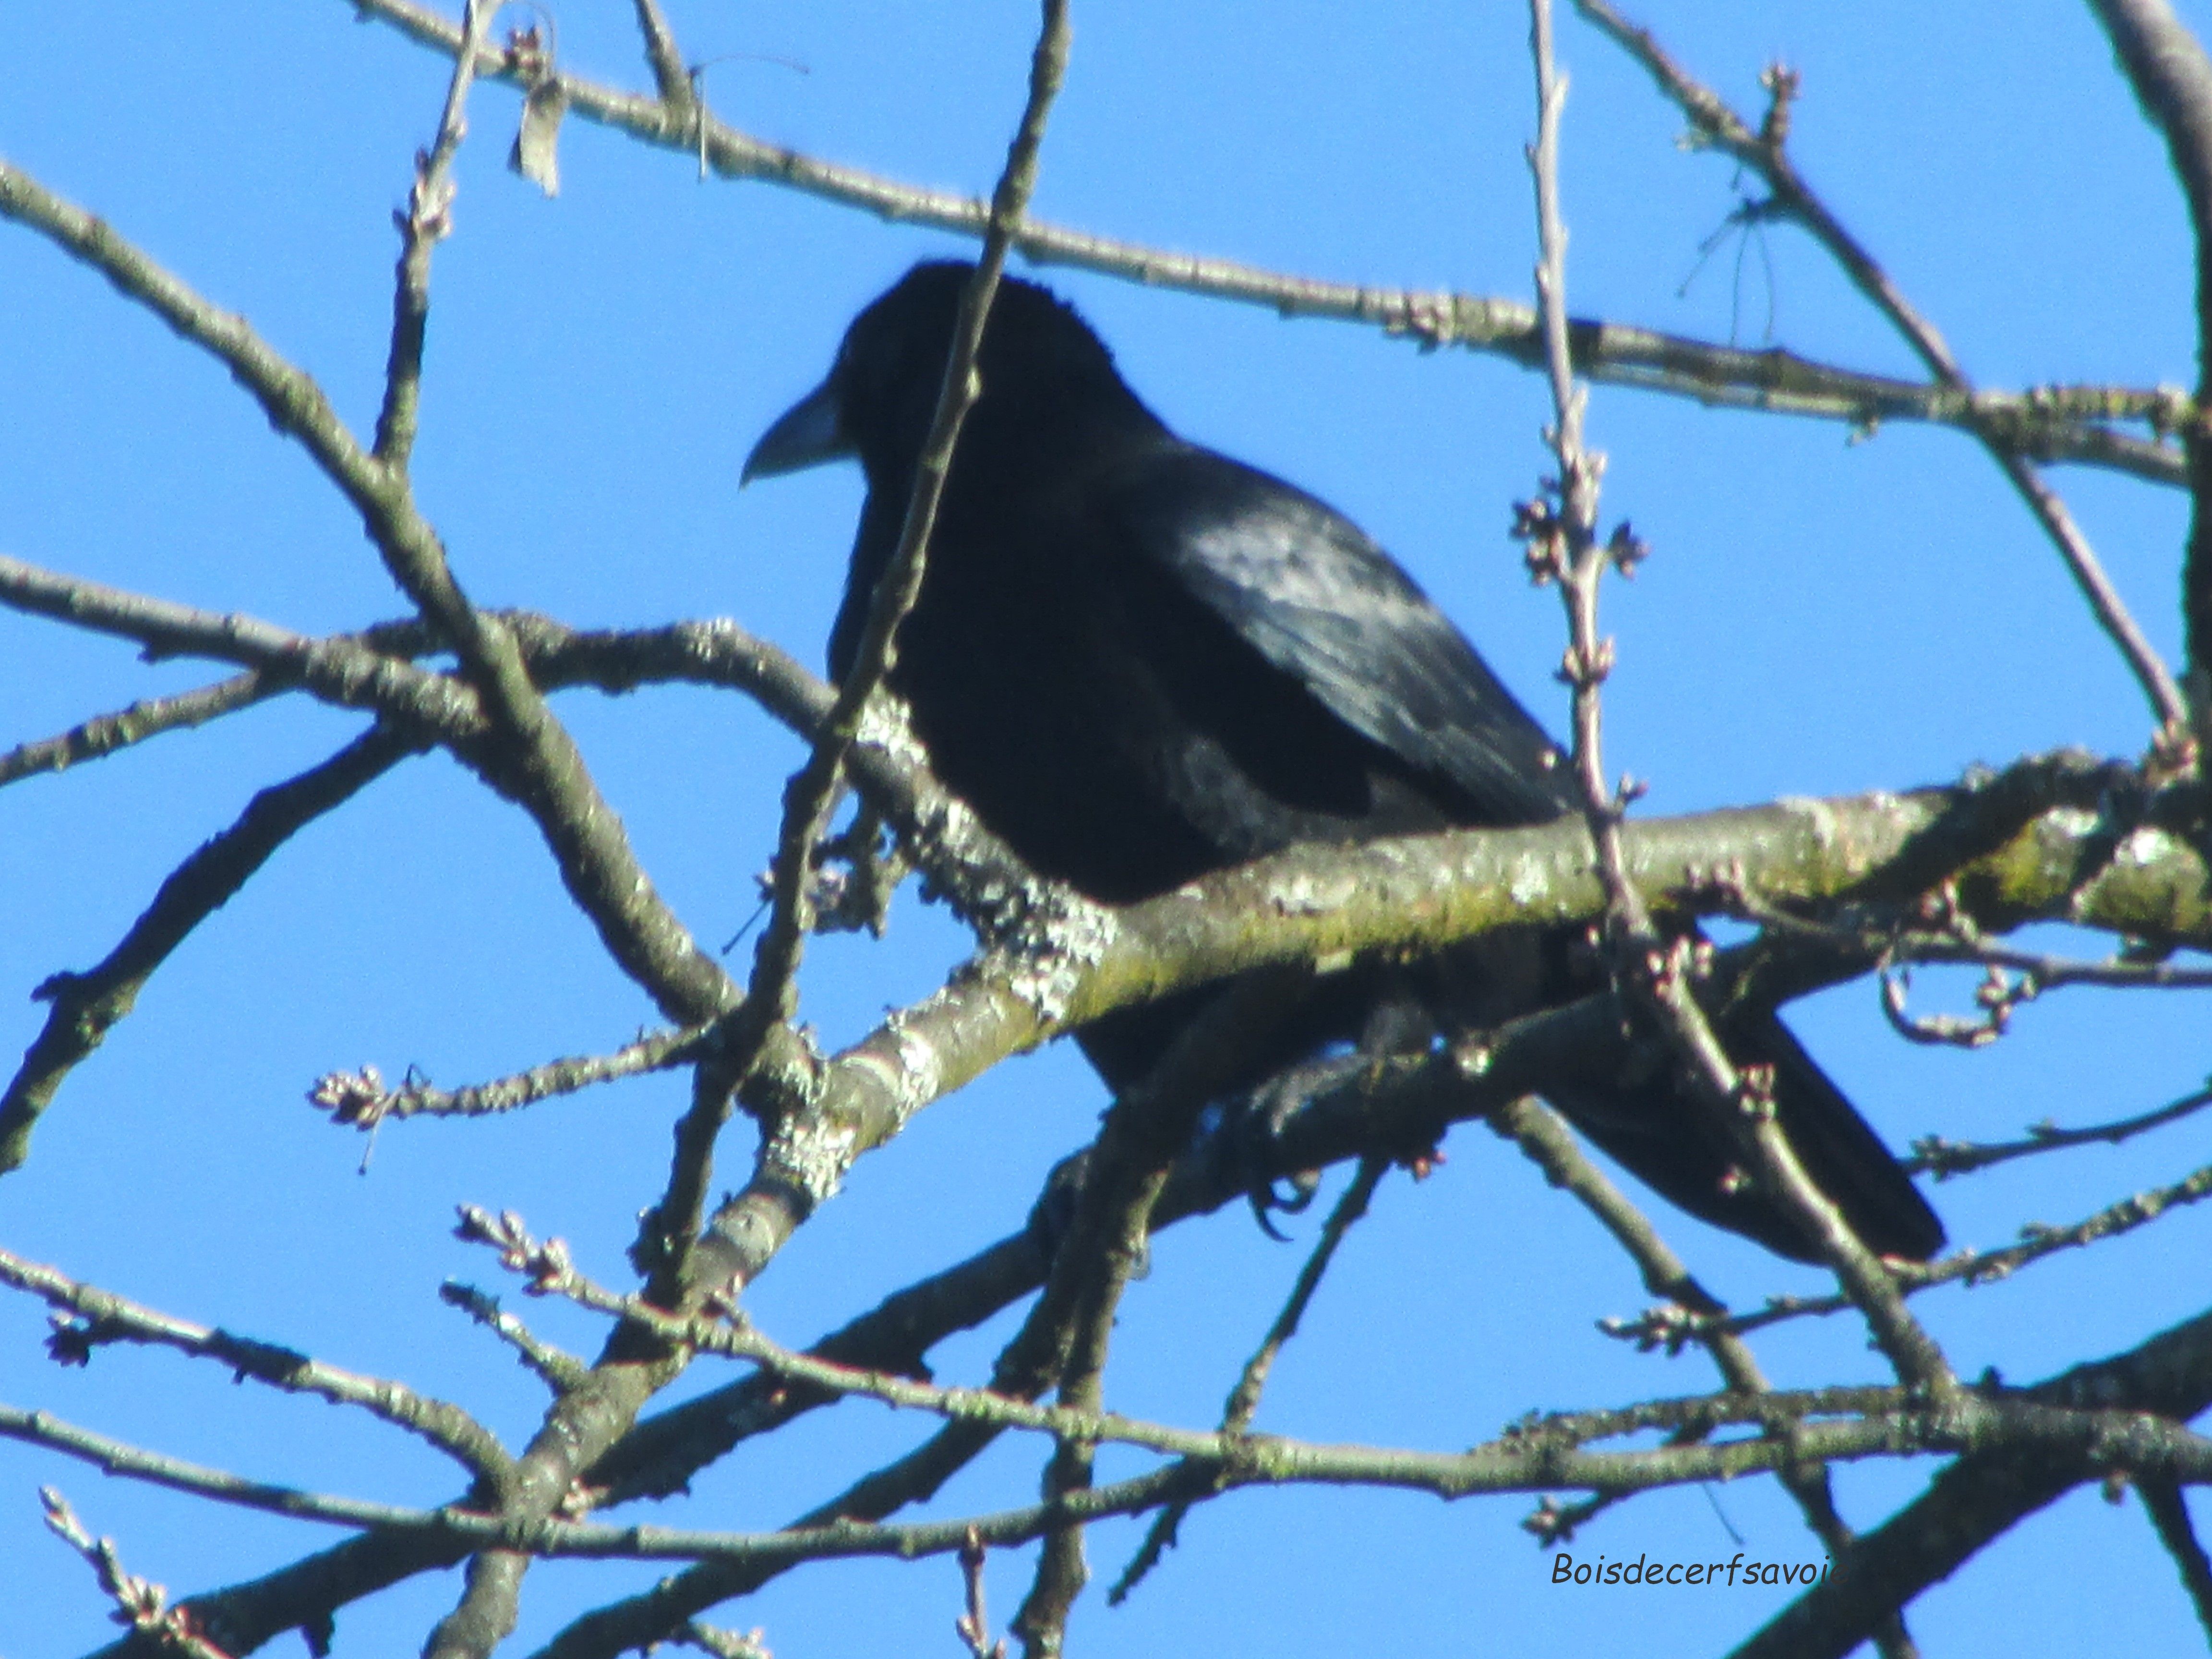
1643	1116
1652	1126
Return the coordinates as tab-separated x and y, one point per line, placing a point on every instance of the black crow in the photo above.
1140	661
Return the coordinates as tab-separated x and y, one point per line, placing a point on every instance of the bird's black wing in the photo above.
1305	588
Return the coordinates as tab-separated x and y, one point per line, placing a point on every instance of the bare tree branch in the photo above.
86	1005
1764	152
98	1317
1945	1157
661	55
1563	547
1985	1494
1969	1267
1243	1401
537	767
557	1370
2132	1440
2162	1498
2172	79
428	221
2053	423
361	1098
811	795
104	734
139	1602
1145	1134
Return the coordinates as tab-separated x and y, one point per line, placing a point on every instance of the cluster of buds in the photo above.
547	1265
1668	1329
355	1098
1782	83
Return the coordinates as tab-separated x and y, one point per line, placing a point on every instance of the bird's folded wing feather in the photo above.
1313	595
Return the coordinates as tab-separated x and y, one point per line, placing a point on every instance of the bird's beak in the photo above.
808	435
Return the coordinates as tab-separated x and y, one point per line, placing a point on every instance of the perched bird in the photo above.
1140	661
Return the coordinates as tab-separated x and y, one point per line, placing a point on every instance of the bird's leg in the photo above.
1396	1024
1400	1024
1259	1116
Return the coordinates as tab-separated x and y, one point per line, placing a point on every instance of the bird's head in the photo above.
876	403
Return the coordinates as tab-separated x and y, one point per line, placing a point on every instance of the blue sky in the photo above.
1819	617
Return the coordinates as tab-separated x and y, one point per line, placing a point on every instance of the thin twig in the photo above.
1944	1158
1243	1401
1563	547
2172	79
662	56
104	734
812	795
97	1317
2162	1500
1764	152
86	1005
118	1457
362	1099
293	403
428	221
2055	423
1972	1267
140	1604
559	1370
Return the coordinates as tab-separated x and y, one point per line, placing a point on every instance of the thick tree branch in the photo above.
2026	848
2034	841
